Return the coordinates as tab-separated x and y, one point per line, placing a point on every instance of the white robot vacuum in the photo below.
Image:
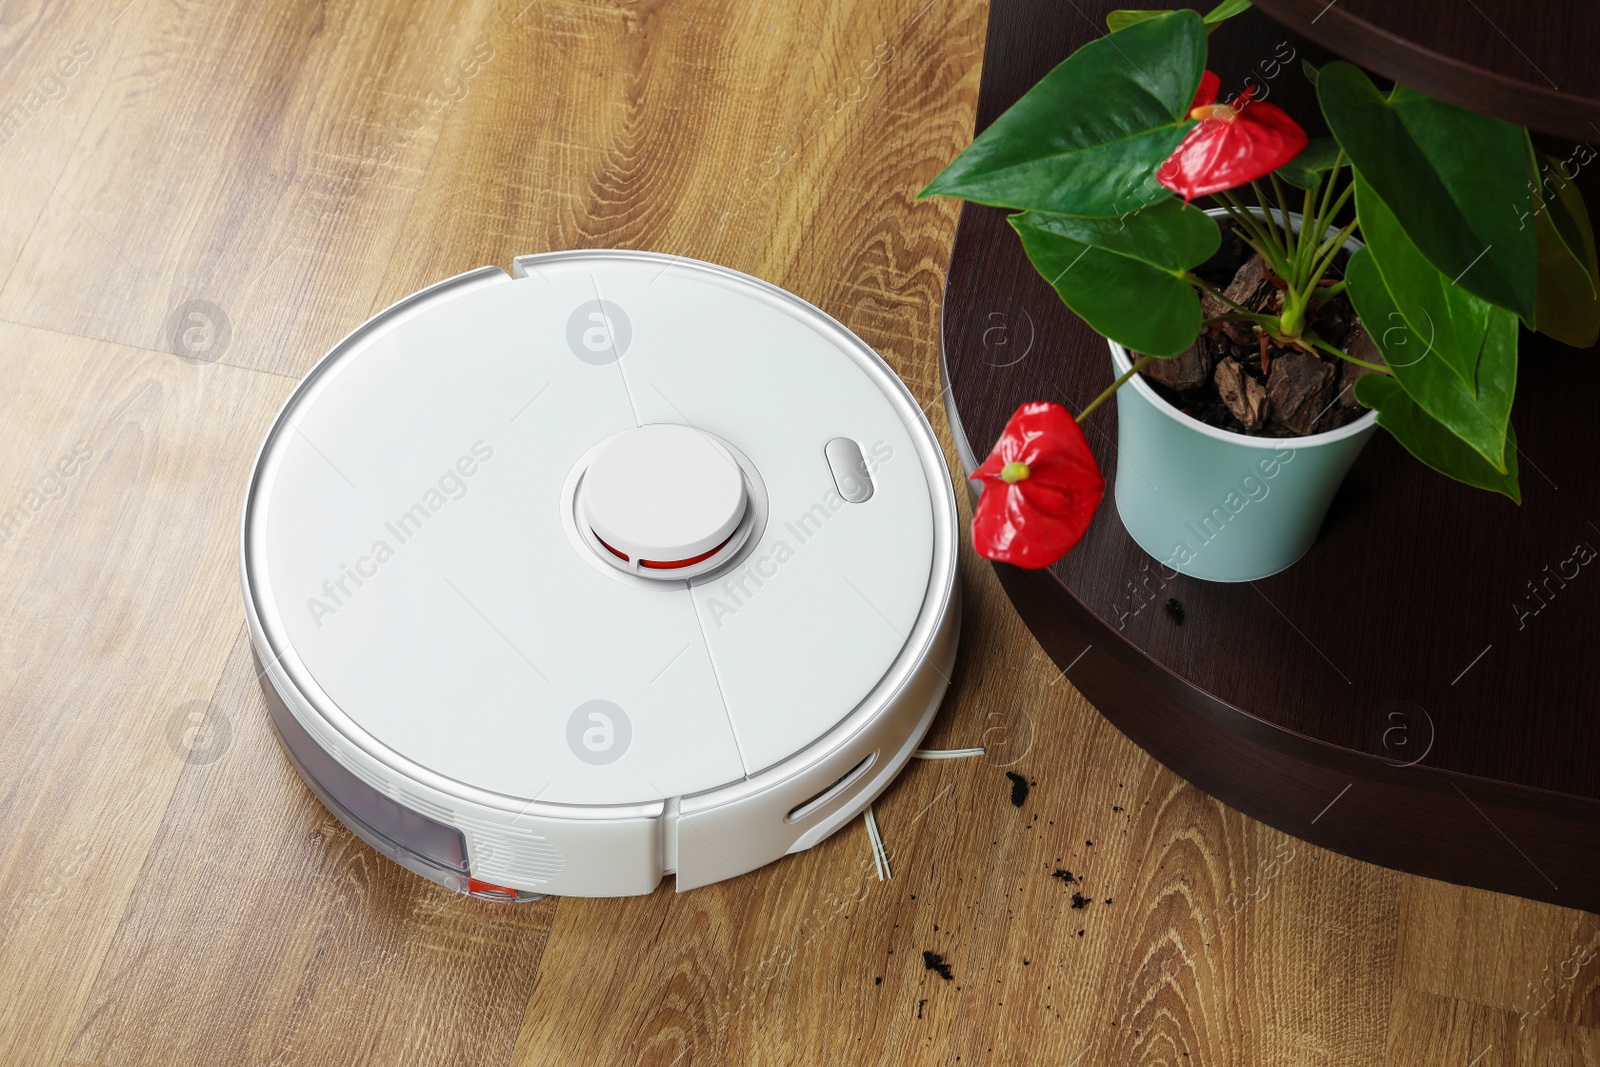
617	566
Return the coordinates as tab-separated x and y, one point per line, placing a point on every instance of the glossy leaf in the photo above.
1088	138
1454	179
1126	276
1305	171
1553	192
1480	419
1452	319
1432	442
1568	306
1224	11
1311	70
1122	19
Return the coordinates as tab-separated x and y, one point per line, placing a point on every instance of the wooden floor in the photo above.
171	893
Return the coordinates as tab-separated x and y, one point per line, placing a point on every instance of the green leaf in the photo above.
1121	20
1311	70
1088	138
1451	318
1126	277
1455	180
1305	171
1480	419
1568	215
1568	307
1432	442
1224	11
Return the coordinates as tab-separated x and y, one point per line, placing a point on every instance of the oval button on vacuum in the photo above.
849	468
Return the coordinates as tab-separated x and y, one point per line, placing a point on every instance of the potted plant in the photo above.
1376	278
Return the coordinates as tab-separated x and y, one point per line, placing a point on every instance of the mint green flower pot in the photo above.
1218	505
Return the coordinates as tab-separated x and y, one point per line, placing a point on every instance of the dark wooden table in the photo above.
1526	61
1395	696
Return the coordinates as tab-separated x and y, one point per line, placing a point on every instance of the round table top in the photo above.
1532	63
1436	641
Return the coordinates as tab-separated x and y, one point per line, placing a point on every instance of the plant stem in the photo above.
1246	222
1318	219
1292	319
1283	204
1241	316
1274	225
1266	217
1327	193
1200	283
1326	347
1273	251
1308	225
1344	197
1299	298
1113	387
1335	242
1332	245
1326	293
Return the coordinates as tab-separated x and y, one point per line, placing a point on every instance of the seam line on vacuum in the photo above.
611	335
716	676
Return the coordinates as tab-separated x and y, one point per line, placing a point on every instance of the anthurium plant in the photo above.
1465	233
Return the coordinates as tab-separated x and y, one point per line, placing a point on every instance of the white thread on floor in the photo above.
880	855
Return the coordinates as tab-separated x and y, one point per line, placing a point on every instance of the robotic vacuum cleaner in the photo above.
616	566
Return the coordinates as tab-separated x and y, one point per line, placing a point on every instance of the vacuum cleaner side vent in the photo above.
528	859
800	811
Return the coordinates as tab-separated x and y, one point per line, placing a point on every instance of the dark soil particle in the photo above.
920	1005
879	980
935	963
1175	609
1019	789
1079	902
1063	874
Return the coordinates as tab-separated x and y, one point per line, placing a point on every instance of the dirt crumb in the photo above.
1019	789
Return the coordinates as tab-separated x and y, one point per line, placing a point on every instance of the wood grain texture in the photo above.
1541	961
172	894
1430	1031
371	967
108	454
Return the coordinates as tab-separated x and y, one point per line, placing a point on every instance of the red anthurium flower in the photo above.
1233	145
1210	85
1041	486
